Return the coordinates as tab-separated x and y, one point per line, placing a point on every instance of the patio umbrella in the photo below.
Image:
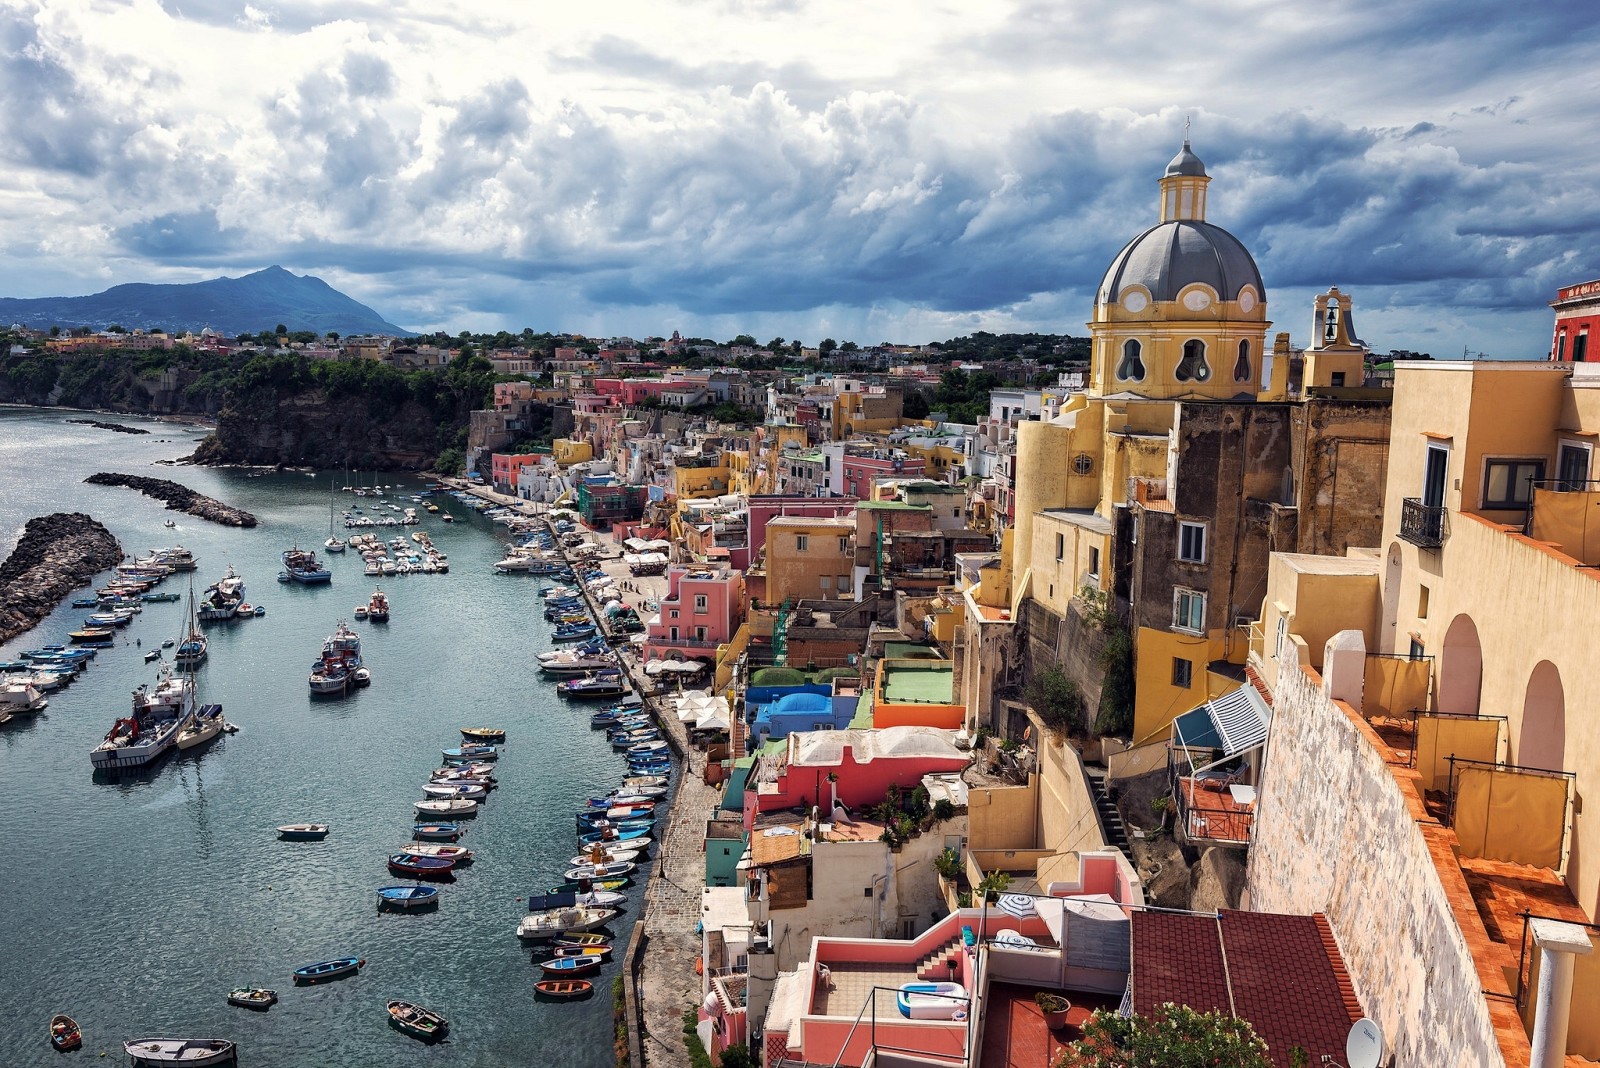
655	667
1019	905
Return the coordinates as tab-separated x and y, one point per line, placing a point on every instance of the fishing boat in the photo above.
407	898
551	922
564	989
418	1022
312	974
222	599
483	735
461	855
568	967
378	607
189	1052
438	832
582	938
420	867
452	806
88	635
206	725
64	1033
303	832
247	997
634	781
301	566
20	696
152	729
333	672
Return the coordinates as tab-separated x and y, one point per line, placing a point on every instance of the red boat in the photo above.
564	988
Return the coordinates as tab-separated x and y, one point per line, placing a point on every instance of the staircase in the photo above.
932	968
1111	825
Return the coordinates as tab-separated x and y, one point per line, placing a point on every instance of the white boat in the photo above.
206	725
459	854
189	1052
610	855
18	696
158	717
444	808
551	922
601	871
470	791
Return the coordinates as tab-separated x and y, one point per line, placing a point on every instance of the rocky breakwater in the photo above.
57	554
179	498
118	427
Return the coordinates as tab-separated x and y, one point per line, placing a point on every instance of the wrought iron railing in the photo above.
1423	525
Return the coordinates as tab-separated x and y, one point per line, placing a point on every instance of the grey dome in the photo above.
1171	255
1186	164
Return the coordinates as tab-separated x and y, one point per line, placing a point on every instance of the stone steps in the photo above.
932	968
1111	825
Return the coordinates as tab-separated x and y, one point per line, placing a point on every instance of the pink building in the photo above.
861	472
852	767
703	608
505	467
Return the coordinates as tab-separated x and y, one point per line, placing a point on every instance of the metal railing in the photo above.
1425	526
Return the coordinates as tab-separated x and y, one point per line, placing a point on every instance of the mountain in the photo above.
230	306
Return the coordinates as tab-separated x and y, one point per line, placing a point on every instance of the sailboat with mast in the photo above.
191	651
334	544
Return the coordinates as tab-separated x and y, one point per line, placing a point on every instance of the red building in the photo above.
504	467
1577	316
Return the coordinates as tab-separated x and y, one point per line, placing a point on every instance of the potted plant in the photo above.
1054	1007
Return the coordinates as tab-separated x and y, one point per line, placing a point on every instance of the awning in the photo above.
1236	721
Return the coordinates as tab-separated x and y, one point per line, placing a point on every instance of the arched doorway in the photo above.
1388	637
1542	735
1460	678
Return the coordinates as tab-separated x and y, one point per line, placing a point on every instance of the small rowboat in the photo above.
589	886
608	855
420	867
567	967
247	997
438	832
418	1022
469	790
582	938
470	752
565	989
453	806
483	735
598	952
303	832
190	1052
64	1033
312	974
600	871
460	854
407	898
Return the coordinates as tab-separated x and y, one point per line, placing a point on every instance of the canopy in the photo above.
1235	722
1019	905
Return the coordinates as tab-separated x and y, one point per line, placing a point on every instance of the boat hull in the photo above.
189	1052
312	974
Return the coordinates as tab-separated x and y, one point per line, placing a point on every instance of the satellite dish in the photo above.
1364	1047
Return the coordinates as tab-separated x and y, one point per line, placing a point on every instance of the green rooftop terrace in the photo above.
918	683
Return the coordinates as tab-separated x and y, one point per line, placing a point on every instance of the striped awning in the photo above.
1019	905
1235	722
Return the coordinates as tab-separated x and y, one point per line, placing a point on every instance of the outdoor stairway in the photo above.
933	969
1111	824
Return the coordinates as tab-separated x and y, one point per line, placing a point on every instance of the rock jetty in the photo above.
57	554
179	498
118	427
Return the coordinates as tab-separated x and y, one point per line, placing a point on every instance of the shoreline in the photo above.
181	419
56	554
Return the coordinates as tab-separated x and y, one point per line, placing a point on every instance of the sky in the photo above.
873	170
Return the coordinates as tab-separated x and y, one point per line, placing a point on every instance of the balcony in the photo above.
1423	526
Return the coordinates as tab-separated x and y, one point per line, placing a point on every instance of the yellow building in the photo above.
808	558
696	475
569	451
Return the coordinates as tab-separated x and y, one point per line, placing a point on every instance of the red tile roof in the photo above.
1283	974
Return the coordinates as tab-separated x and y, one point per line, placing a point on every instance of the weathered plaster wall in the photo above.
1336	833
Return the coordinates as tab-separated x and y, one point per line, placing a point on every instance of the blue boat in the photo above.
630	835
573	632
465	753
437	832
328	969
420	867
407	898
596	819
301	566
567	967
85	602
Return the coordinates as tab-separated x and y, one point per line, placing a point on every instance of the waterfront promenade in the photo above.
664	982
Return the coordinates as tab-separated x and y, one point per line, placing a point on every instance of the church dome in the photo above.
1171	255
1186	163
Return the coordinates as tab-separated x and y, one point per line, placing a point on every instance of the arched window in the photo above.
1193	366
1132	366
1241	367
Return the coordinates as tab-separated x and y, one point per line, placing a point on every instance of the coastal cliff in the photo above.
56	554
179	498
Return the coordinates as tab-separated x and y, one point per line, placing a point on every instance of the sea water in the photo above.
134	905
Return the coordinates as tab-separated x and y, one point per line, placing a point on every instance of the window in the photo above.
674	614
1572	467
1580	346
1338	379
1182	672
1193	366
1061	546
844	585
1422	602
1189	610
699	602
827	583
1241	366
1192	542
844	545
802	543
672	634
1094	563
699	634
1561	346
1509	483
1132	367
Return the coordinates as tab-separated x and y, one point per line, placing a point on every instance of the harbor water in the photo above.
134	905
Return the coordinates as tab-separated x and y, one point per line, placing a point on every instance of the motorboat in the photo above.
418	1022
601	871
20	696
312	974
303	832
594	687
407	898
610	854
578	665
453	806
551	922
378	607
189	1052
301	566
152	728
608	835
258	998
223	598
206	725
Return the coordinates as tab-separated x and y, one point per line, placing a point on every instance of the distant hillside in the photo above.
231	306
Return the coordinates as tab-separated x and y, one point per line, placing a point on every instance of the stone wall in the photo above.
1336	832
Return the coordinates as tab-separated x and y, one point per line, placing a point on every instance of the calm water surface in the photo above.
136	905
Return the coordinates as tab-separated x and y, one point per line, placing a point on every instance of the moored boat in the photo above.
472	752
248	997
471	791
420	867
581	938
600	952
301	566
566	967
407	898
303	832
551	922
64	1033
189	1052
460	854
438	832
206	725
483	735
378	607
418	1022
312	974
453	806
565	989
158	717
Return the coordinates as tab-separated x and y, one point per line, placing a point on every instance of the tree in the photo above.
1176	1036
776	343
333	335
826	345
280	330
116	328
915	405
1057	699
1116	688
743	339
738	1057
